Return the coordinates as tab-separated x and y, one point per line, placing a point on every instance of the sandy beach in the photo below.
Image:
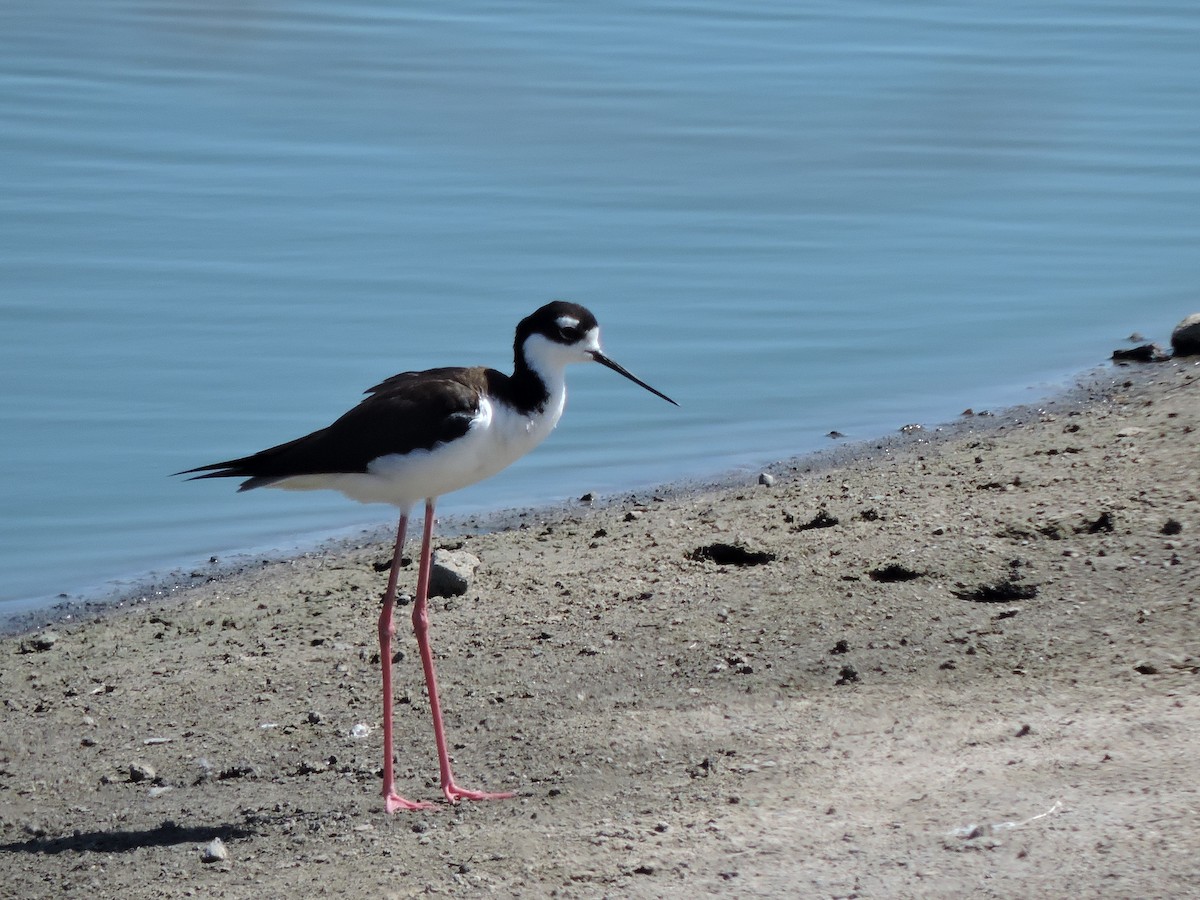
947	663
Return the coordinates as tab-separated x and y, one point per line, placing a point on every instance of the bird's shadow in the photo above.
166	834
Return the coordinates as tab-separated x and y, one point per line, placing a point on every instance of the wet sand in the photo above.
935	665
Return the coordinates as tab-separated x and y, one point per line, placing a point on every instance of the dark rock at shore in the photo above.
1143	353
1185	339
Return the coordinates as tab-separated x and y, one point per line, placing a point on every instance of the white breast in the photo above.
497	437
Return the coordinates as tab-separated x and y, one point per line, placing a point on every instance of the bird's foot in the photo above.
393	802
454	793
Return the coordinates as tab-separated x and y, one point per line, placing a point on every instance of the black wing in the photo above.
410	411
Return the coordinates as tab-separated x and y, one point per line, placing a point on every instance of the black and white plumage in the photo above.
419	435
424	434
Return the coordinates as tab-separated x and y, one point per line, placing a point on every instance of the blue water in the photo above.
220	222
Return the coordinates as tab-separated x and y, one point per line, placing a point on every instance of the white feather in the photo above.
496	438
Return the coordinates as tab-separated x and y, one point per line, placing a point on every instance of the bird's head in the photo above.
561	333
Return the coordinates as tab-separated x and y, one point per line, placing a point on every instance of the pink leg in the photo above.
421	629
391	800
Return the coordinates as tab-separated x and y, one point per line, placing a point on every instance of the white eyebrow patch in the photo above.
567	322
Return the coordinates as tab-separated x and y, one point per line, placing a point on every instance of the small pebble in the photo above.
450	572
140	771
767	479
39	643
214	851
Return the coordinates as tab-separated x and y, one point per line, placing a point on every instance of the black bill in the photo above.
621	370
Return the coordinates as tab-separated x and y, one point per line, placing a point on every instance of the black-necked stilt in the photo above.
419	435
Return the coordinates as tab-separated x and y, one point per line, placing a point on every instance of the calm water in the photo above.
219	222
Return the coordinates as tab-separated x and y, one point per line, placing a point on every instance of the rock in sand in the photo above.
450	573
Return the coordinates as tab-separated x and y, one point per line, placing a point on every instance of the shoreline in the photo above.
945	664
134	591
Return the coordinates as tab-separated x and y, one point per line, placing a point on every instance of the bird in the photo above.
417	436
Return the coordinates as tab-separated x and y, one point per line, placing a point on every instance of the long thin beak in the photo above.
621	370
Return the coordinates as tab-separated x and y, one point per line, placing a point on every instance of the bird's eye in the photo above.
569	334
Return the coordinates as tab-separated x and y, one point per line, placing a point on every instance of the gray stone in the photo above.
215	851
450	572
39	643
1185	339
